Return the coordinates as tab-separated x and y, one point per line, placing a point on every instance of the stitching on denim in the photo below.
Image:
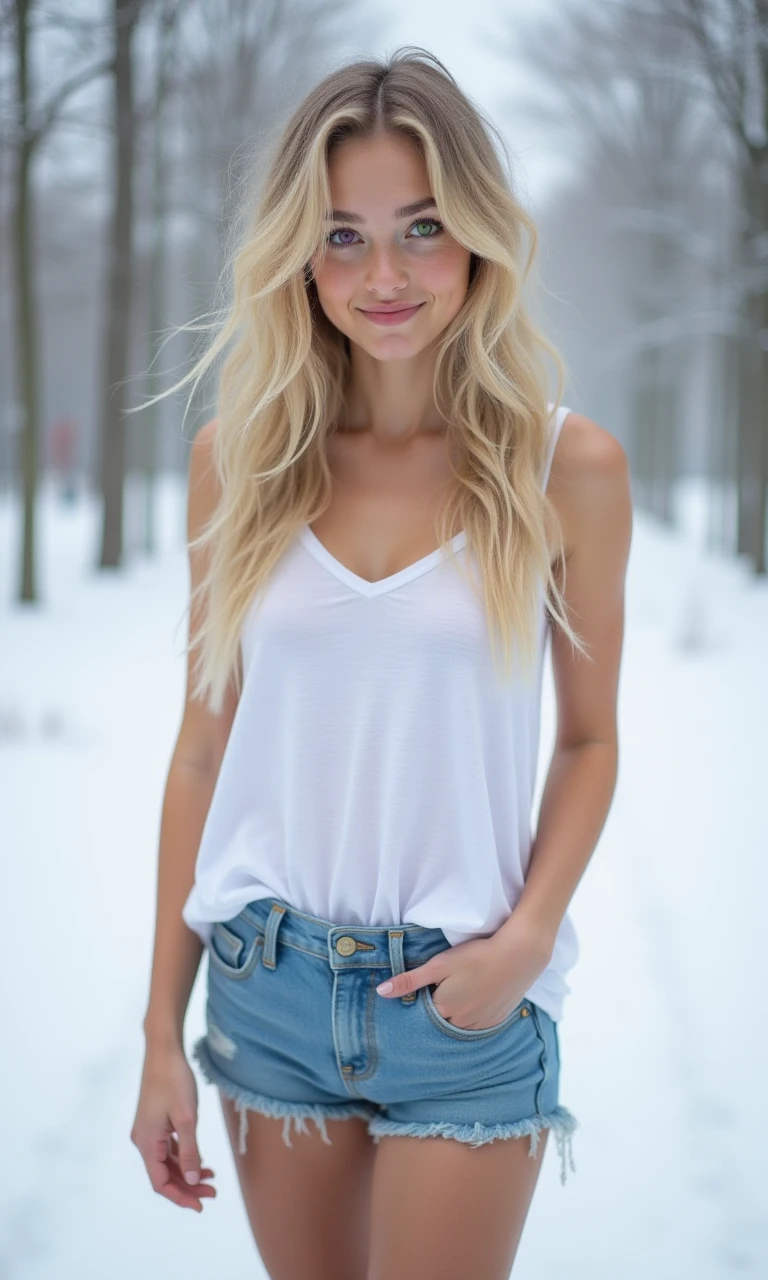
238	975
466	1033
543	1058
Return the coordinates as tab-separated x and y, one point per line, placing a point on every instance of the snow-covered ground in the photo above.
663	1040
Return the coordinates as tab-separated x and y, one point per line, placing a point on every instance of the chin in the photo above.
388	351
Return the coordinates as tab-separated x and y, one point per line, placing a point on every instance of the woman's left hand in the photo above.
479	981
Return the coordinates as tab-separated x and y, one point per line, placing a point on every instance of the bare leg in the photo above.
309	1204
443	1208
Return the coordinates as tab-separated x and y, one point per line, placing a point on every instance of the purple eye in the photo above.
341	231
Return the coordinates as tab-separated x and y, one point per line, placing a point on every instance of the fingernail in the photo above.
192	1175
384	988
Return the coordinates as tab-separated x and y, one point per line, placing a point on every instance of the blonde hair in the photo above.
282	379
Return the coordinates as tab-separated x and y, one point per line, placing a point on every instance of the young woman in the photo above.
381	515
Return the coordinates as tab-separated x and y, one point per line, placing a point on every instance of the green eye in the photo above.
428	222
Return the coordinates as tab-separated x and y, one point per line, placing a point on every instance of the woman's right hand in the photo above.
164	1128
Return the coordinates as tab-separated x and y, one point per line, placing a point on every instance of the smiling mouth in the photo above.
391	315
388	311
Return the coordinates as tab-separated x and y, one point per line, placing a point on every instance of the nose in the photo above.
385	270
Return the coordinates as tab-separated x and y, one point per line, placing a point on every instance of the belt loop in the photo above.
274	920
397	960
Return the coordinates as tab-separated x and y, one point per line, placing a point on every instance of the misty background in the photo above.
638	134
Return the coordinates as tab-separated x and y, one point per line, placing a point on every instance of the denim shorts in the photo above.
296	1029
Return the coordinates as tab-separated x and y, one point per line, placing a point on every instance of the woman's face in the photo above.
383	254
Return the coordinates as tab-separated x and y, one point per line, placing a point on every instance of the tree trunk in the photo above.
157	266
761	380
26	318
753	388
118	299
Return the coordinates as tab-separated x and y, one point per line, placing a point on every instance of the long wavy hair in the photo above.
284	366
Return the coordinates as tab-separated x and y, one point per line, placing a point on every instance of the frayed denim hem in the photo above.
299	1112
560	1120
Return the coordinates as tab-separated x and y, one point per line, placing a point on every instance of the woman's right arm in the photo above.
168	1100
192	776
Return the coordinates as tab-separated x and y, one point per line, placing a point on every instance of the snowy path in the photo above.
664	1049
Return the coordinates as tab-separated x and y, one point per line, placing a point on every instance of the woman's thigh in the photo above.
308	1205
442	1208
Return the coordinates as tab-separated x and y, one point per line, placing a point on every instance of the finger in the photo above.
205	1172
164	1182
200	1190
189	1196
182	1198
203	1191
188	1155
402	984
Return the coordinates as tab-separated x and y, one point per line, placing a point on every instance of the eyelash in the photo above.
336	230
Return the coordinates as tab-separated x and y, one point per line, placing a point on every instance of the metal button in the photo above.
524	1013
346	946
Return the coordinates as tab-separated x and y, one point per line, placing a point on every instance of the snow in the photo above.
663	1038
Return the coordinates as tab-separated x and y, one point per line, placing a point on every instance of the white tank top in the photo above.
376	772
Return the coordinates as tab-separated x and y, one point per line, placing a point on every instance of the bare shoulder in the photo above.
589	481
203	736
203	485
201	453
207	432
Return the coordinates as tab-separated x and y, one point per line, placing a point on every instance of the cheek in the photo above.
334	283
446	275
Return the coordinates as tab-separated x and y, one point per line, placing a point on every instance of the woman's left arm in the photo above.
590	476
590	483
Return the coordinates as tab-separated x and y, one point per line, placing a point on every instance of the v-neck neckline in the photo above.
362	585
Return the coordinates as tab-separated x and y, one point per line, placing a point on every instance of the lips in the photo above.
391	315
388	311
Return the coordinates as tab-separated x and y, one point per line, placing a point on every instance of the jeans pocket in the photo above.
235	946
523	1009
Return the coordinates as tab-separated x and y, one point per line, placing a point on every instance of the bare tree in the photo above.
243	67
35	116
169	14
706	59
729	41
111	437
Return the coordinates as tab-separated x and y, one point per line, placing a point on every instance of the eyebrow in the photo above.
338	215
